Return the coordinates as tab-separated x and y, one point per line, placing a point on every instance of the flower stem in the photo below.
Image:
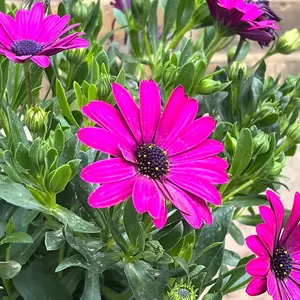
213	46
239	189
269	53
281	148
178	37
61	254
237	51
16	82
147	45
30	100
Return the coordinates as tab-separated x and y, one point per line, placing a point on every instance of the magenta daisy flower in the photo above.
154	156
121	4
277	267
253	20
31	36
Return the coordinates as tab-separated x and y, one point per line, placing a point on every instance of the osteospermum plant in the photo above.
126	160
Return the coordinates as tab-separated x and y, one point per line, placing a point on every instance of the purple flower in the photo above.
277	267
31	36
156	156
121	4
253	20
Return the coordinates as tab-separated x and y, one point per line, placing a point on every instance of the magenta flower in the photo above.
154	156
31	36
277	267
253	20
121	4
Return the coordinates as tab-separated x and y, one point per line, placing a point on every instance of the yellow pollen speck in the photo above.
149	163
281	265
284	273
285	252
150	146
165	152
145	155
156	168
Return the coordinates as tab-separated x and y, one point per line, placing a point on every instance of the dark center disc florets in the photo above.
281	263
152	161
26	47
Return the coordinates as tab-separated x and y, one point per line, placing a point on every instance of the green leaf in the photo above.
54	240
251	220
186	53
59	178
22	156
91	287
183	264
210	234
170	17
243	153
246	201
73	261
186	76
153	26
135	42
131	223
18	195
143	285
171	239
75	222
63	103
33	285
230	258
236	234
81	72
217	296
9	269
184	13
17	237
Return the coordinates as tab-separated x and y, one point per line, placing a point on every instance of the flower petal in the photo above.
22	22
204	150
41	60
179	112
108	170
35	21
129	110
272	286
199	187
266	235
256	246
258	267
268	216
256	286
100	139
277	208
147	197
111	193
198	168
192	135
162	220
9	25
293	220
150	108
105	115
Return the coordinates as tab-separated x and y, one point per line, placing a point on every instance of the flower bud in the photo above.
231	53
75	55
104	88
169	73
277	168
293	133
79	12
35	119
261	143
236	70
183	291
209	86
289	42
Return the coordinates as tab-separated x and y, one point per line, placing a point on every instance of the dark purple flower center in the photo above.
26	47
281	263
152	161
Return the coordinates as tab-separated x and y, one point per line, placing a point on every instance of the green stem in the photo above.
16	82
52	198
205	285
30	100
239	189
269	53
7	282
178	37
61	255
237	51
213	46
70	75
147	45
281	148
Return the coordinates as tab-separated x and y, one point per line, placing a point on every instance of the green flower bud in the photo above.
238	70
183	291
75	55
293	133
231	53
35	119
289	42
261	143
169	73
277	168
80	12
104	88
209	86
